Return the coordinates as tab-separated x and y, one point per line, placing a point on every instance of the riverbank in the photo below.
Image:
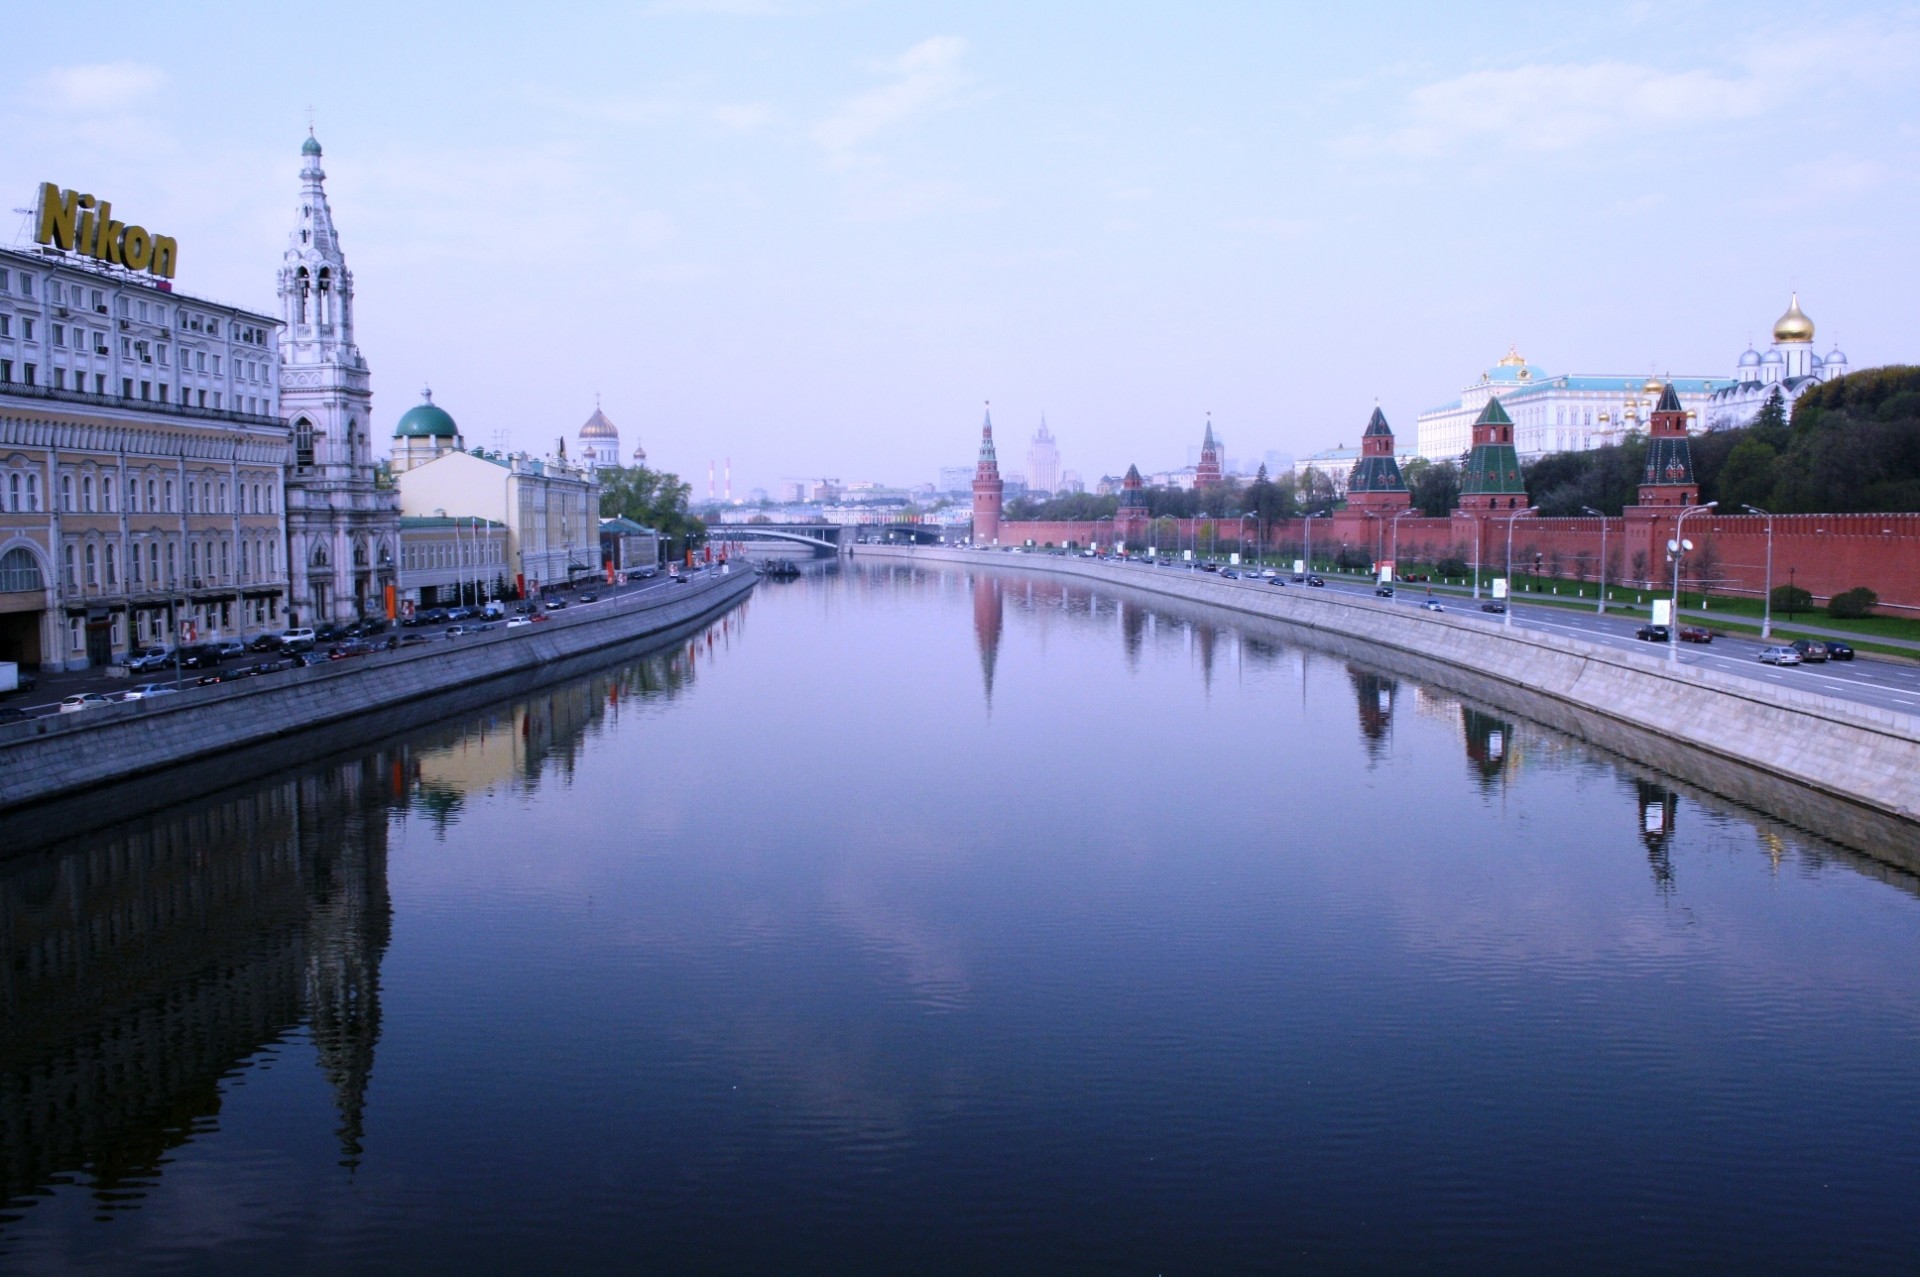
260	723
1855	753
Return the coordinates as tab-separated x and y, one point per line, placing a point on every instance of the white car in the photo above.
1768	655
1433	605
143	691
83	700
515	622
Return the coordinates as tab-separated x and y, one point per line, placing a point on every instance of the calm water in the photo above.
912	922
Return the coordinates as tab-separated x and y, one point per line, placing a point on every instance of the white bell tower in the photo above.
343	528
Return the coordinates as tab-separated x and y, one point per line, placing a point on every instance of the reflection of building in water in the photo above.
1133	631
1205	638
1373	693
1489	743
988	619
1658	808
146	964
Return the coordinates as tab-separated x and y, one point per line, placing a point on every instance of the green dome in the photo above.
311	146
425	420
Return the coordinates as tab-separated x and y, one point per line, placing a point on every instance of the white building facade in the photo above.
1789	366
1571	412
343	524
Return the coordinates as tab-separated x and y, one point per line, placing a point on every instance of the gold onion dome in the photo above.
1513	358
1794	325
1653	387
598	427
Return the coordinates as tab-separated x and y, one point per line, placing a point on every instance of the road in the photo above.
1883	684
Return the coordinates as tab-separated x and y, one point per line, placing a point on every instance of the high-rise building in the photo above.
343	525
1043	461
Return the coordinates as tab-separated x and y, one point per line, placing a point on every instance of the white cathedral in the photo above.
1789	364
343	527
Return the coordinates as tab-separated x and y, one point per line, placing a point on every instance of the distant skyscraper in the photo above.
1043	461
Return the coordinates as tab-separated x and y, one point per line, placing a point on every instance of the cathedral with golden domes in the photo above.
1790	365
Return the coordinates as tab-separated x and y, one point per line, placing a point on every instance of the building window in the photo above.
133	494
6	325
26	327
223	496
192	503
93	568
20	571
153	561
169	496
86	493
133	565
33	493
113	569
77	632
73	575
173	561
66	493
303	442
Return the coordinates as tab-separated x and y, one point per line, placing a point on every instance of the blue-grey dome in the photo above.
1751	359
1773	357
1836	357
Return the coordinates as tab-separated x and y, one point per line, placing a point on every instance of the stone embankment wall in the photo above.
1843	749
45	758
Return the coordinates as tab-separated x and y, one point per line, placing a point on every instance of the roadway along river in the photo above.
915	919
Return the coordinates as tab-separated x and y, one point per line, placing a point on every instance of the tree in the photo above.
1791	599
1434	487
651	498
1851	605
1749	476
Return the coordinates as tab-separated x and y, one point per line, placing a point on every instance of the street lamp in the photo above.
1680	546
1506	618
1766	615
1308	550
1243	533
1587	509
1396	537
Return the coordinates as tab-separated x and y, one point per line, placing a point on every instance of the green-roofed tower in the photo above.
1492	478
1668	479
1375	483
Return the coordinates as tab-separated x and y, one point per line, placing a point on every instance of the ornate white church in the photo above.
1789	364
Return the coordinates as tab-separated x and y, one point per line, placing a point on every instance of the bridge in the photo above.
767	538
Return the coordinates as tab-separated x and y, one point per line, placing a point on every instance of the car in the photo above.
268	642
1314	580
1298	578
1279	580
1495	607
1229	574
83	700
12	714
146	691
1384	591
1811	651
198	656
1838	651
1433	605
224	649
588	597
1779	655
515	622
1695	634
413	640
330	633
455	631
538	618
148	660
299	639
553	603
1653	634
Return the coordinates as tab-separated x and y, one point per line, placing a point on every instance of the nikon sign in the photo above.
79	223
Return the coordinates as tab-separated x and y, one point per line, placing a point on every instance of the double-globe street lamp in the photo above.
1680	547
1766	614
1506	617
1587	509
1308	550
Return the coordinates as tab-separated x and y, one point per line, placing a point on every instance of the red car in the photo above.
1695	634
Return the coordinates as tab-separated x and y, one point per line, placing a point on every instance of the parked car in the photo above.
1314	580
83	700
148	659
199	656
1653	634
1779	655
329	633
145	691
299	639
1493	607
1811	651
1838	651
1384	591
1695	634
268	642
1433	605
226	649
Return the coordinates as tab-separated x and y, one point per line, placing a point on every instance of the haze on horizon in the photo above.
813	237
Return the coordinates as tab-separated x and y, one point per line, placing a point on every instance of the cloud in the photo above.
96	88
1559	106
922	79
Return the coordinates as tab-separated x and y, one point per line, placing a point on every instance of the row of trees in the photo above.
652	498
1287	497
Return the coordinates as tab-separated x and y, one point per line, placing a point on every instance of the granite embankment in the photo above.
1845	750
232	729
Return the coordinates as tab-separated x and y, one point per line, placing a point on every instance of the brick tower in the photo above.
1492	479
1375	485
1668	480
987	488
1209	474
1130	520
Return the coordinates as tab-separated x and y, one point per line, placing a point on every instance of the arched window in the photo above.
192	500
303	442
13	493
193	560
173	561
133	494
66	492
20	571
93	567
86	493
113	569
169	496
33	493
320	555
133	566
73	576
226	560
359	554
301	283
153	560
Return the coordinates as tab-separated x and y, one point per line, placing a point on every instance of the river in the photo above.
918	920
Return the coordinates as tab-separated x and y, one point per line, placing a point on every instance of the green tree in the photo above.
1434	487
1749	476
652	498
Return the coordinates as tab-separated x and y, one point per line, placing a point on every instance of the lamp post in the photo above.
1766	614
1506	618
1308	551
1587	509
1396	537
1243	535
1679	546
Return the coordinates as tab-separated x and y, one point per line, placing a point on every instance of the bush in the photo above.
1453	567
1352	559
1852	604
1791	598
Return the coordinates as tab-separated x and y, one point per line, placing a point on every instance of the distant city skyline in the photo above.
813	237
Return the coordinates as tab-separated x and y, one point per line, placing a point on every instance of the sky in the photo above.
814	237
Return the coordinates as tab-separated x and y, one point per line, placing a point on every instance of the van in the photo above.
298	639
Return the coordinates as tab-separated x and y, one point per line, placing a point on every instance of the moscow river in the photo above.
906	920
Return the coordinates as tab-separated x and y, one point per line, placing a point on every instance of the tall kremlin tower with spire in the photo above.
987	488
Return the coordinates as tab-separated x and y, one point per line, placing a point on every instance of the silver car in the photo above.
1779	655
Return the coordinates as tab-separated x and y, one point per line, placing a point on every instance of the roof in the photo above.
311	146
425	420
1669	401
1493	414
624	526
446	521
598	427
1377	425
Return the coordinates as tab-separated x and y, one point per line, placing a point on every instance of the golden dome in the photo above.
1794	325
1513	358
1653	387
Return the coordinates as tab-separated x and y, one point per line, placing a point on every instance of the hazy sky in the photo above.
813	237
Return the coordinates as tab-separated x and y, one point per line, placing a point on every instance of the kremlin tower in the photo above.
1668	479
1375	484
987	488
1209	473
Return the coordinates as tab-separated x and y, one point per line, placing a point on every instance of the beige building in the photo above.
550	509
141	465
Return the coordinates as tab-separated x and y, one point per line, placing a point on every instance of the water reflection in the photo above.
989	618
151	963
